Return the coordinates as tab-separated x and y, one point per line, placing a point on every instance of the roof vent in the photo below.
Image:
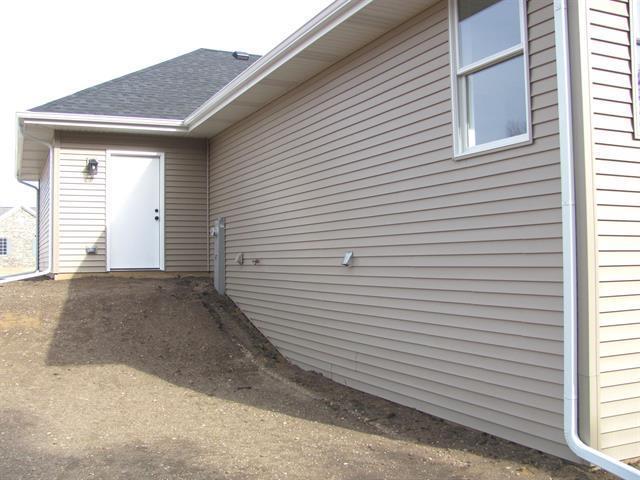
241	55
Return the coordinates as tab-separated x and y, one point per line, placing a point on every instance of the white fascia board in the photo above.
309	33
320	25
317	27
101	122
44	118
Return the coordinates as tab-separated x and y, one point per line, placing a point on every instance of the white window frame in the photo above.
458	87
6	243
634	12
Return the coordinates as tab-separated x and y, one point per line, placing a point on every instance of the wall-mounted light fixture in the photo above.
240	259
92	167
346	260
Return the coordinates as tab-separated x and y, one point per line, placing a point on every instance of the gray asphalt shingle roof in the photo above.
171	89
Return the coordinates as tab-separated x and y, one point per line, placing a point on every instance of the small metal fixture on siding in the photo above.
91	250
92	167
241	55
240	259
219	256
346	260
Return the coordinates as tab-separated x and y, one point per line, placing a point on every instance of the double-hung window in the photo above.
491	106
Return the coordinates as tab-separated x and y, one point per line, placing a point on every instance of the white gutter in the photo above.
47	271
88	118
317	27
572	438
102	122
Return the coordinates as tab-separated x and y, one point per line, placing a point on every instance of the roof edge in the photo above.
315	28
88	119
16	208
318	26
50	122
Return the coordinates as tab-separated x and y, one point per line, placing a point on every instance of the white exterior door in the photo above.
134	211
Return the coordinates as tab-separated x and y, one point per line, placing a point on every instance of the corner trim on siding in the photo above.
569	257
587	249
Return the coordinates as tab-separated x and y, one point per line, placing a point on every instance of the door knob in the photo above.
157	217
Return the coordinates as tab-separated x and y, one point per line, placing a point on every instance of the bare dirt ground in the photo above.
134	379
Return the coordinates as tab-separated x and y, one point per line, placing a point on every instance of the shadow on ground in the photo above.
162	460
182	332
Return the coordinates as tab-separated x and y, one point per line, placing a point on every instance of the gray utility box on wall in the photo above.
218	255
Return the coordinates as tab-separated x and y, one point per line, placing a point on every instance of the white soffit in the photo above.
33	152
371	21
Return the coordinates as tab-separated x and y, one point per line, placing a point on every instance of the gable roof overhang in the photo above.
36	131
339	30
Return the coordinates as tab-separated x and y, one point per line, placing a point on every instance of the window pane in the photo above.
637	59
497	107
486	27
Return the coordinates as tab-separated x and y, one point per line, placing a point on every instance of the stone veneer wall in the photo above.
19	227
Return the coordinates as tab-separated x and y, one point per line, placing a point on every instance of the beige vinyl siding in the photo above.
44	215
82	214
453	304
617	196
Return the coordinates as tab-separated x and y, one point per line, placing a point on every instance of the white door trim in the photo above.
115	153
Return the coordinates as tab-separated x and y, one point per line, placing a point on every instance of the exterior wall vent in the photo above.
241	55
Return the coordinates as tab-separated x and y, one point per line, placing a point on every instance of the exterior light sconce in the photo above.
92	167
346	260
240	259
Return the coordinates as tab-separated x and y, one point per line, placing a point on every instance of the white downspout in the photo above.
569	261
47	271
